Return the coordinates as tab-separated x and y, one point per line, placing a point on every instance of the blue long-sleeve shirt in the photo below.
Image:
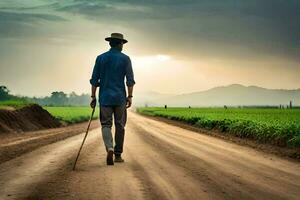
109	74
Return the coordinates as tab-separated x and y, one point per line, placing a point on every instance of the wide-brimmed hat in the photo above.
116	36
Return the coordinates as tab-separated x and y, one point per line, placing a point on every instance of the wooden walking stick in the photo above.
86	133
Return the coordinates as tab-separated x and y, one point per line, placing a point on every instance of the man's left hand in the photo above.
93	103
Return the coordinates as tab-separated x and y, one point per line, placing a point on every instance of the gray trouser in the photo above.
120	117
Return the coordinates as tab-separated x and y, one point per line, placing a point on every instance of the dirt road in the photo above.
162	162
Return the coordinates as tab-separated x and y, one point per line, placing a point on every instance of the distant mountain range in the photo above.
231	95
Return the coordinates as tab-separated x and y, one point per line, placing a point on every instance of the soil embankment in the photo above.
28	118
39	127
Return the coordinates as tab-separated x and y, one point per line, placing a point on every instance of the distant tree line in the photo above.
57	98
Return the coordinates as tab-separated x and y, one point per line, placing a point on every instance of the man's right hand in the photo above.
129	102
93	102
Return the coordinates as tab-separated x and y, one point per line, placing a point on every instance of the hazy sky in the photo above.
176	46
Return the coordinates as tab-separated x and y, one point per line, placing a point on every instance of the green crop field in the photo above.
276	126
72	114
13	104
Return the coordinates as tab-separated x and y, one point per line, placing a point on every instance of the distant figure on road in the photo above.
109	73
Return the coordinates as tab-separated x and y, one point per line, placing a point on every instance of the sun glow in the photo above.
151	61
163	57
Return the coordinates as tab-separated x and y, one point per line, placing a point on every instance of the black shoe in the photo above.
110	158
118	158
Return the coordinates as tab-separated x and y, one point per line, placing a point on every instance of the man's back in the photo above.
110	69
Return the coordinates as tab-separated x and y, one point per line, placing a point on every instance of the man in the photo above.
109	73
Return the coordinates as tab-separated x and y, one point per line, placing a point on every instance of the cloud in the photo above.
15	24
194	28
244	28
27	17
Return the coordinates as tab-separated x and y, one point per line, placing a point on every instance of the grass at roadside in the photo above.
276	126
72	114
13	103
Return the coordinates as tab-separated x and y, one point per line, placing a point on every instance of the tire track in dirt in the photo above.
259	171
162	182
195	170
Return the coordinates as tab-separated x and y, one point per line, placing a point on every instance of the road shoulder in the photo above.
15	144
